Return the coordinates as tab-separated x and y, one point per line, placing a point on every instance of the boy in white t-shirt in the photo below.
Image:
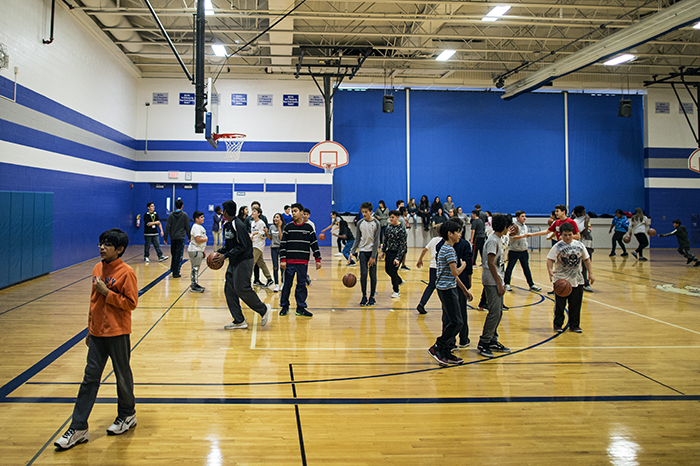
195	250
431	248
258	234
564	262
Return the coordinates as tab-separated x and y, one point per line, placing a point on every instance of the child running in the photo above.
683	242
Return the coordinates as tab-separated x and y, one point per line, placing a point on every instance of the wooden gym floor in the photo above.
356	385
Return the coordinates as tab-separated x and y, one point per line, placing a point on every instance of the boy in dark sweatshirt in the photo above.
683	242
177	227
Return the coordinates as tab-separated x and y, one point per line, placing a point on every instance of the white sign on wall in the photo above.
239	100
264	100
160	98
316	101
687	106
290	100
663	107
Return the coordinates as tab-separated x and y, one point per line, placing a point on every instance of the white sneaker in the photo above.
535	288
402	282
72	438
508	288
233	326
145	259
162	258
121	425
395	294
266	318
277	288
338	254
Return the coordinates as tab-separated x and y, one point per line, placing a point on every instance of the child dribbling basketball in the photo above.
564	262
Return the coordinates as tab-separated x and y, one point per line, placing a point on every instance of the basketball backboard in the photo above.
211	117
328	155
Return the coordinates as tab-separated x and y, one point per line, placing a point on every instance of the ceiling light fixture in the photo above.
697	26
219	50
208	7
445	55
620	59
495	13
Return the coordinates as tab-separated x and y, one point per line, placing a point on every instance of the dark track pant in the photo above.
364	268
451	318
392	270
574	301
430	288
617	238
524	258
238	288
177	247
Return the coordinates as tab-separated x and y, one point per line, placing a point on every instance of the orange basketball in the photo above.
562	288
513	230
652	232
349	280
215	260
626	239
550	221
322	236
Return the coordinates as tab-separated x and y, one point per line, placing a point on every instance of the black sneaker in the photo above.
421	309
269	283
363	301
558	329
371	301
624	254
403	267
642	259
464	345
498	347
301	312
484	351
452	359
257	283
438	357
284	311
697	264
688	261
612	254
635	255
576	329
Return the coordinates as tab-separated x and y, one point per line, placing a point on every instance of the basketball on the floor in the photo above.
349	280
322	236
562	288
215	260
626	239
652	232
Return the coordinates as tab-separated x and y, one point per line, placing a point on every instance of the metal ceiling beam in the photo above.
681	14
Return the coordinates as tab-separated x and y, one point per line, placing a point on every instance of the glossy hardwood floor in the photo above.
356	385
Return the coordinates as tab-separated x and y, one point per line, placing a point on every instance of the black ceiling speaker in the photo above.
625	108
388	104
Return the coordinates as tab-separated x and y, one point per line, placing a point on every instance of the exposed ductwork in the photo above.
125	37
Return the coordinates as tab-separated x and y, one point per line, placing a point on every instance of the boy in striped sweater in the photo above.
297	240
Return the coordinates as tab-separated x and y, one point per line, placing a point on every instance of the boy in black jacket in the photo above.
683	242
238	249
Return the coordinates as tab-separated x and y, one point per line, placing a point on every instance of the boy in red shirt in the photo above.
114	295
560	213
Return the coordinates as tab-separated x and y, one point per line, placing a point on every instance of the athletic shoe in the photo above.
371	301
403	267
576	329
438	357
505	308
162	258
301	312
257	283
363	301
643	259
266	317
508	288
624	254
177	275
697	264
588	288
233	325
352	264
483	309
284	311
612	254
308	281
452	359
122	424
146	260
421	309
550	292
338	254
72	438
635	255
277	288
395	294
402	282
498	347
269	283
196	289
484	351
688	261
464	345
558	329
535	288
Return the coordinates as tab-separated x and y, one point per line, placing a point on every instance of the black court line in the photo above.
296	412
371	401
647	377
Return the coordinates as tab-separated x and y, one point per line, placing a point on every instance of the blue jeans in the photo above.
147	241
300	292
275	253
118	349
348	248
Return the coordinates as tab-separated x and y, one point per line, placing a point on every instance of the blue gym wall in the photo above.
480	149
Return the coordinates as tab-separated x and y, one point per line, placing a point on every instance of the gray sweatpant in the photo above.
238	288
196	258
495	307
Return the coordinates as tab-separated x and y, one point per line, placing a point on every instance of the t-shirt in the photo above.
432	249
493	245
313	225
258	234
153	229
197	230
519	244
444	278
557	223
479	228
567	261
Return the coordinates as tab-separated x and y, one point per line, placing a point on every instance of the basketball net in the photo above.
328	167
234	142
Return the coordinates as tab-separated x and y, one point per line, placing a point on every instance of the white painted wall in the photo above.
77	70
668	130
275	123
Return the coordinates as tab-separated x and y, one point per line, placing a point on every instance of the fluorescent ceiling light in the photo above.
697	26
495	13
445	55
219	50
620	59
208	7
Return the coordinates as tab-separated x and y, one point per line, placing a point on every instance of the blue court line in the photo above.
370	401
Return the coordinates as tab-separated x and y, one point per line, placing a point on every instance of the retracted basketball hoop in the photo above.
234	142
328	155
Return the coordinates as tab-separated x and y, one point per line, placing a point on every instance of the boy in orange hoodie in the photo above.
114	295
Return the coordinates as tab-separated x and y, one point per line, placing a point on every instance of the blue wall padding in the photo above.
26	226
